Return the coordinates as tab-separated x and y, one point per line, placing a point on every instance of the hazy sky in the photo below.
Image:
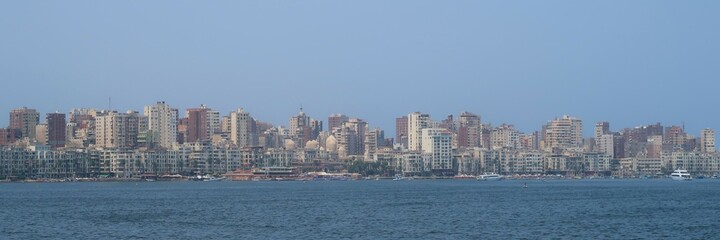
519	62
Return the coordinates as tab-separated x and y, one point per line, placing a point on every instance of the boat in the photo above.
464	176
490	177
680	175
399	177
213	179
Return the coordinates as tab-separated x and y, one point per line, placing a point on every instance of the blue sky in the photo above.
519	62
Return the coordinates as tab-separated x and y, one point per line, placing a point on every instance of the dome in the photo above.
312	144
331	144
289	144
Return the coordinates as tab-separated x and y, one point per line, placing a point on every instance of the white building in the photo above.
416	123
437	143
162	123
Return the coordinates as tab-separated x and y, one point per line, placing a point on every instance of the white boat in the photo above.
681	175
490	177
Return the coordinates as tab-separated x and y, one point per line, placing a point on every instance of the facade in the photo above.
504	136
437	149
336	121
303	128
469	130
605	144
707	141
117	130
401	130
242	129
198	126
416	123
162	124
25	120
563	133
56	129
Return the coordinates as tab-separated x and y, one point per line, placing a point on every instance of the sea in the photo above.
367	209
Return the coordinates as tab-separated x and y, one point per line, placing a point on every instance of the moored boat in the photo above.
490	177
681	175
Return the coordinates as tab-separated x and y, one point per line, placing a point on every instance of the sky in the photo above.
520	62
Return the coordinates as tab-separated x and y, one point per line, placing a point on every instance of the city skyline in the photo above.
587	132
520	63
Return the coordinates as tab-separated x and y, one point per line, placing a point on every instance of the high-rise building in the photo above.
401	130
56	129
41	131
416	123
674	137
162	124
373	140
198	125
351	137
563	133
601	128
25	120
505	136
437	147
117	130
336	121
8	136
605	144
242	132
707	140
469	130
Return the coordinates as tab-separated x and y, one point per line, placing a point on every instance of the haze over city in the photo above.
630	63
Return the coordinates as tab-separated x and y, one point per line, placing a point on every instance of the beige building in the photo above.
707	140
563	133
117	130
241	129
416	123
162	124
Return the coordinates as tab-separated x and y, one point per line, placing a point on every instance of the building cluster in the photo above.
161	140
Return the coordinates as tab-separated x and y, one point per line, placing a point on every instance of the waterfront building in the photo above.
162	124
528	162
416	123
596	163
25	120
437	147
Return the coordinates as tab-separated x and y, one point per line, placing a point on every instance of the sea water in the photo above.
384	209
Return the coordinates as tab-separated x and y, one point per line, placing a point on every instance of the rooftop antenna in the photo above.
109	103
